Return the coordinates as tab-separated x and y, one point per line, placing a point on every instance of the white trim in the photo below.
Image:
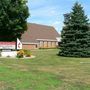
19	44
28	43
46	40
58	39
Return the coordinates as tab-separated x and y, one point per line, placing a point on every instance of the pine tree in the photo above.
75	34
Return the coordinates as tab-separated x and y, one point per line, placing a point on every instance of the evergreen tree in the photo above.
13	16
75	34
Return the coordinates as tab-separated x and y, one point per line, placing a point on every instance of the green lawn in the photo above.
45	72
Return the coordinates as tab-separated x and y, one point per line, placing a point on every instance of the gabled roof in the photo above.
37	31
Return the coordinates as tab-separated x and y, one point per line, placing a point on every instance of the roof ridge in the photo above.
41	24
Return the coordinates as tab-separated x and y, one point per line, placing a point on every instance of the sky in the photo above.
50	12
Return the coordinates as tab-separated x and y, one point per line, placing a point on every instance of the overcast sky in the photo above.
50	12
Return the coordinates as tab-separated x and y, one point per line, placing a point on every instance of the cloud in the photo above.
45	12
34	4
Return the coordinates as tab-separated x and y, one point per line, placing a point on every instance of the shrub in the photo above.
27	53
20	54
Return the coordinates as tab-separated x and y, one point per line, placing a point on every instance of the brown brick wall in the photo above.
45	44
42	44
53	44
49	44
29	46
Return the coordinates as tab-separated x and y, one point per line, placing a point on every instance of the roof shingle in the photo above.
37	31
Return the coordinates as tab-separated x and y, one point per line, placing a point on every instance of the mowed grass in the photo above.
45	72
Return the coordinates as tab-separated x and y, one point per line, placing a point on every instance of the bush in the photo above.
20	54
27	53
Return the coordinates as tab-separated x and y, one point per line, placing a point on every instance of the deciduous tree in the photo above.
13	19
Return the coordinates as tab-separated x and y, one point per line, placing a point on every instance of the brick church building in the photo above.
40	36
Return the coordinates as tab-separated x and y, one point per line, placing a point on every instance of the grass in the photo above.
45	72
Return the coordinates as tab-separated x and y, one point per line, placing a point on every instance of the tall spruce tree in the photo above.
75	34
13	19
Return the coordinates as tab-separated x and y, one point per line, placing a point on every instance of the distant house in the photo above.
40	36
